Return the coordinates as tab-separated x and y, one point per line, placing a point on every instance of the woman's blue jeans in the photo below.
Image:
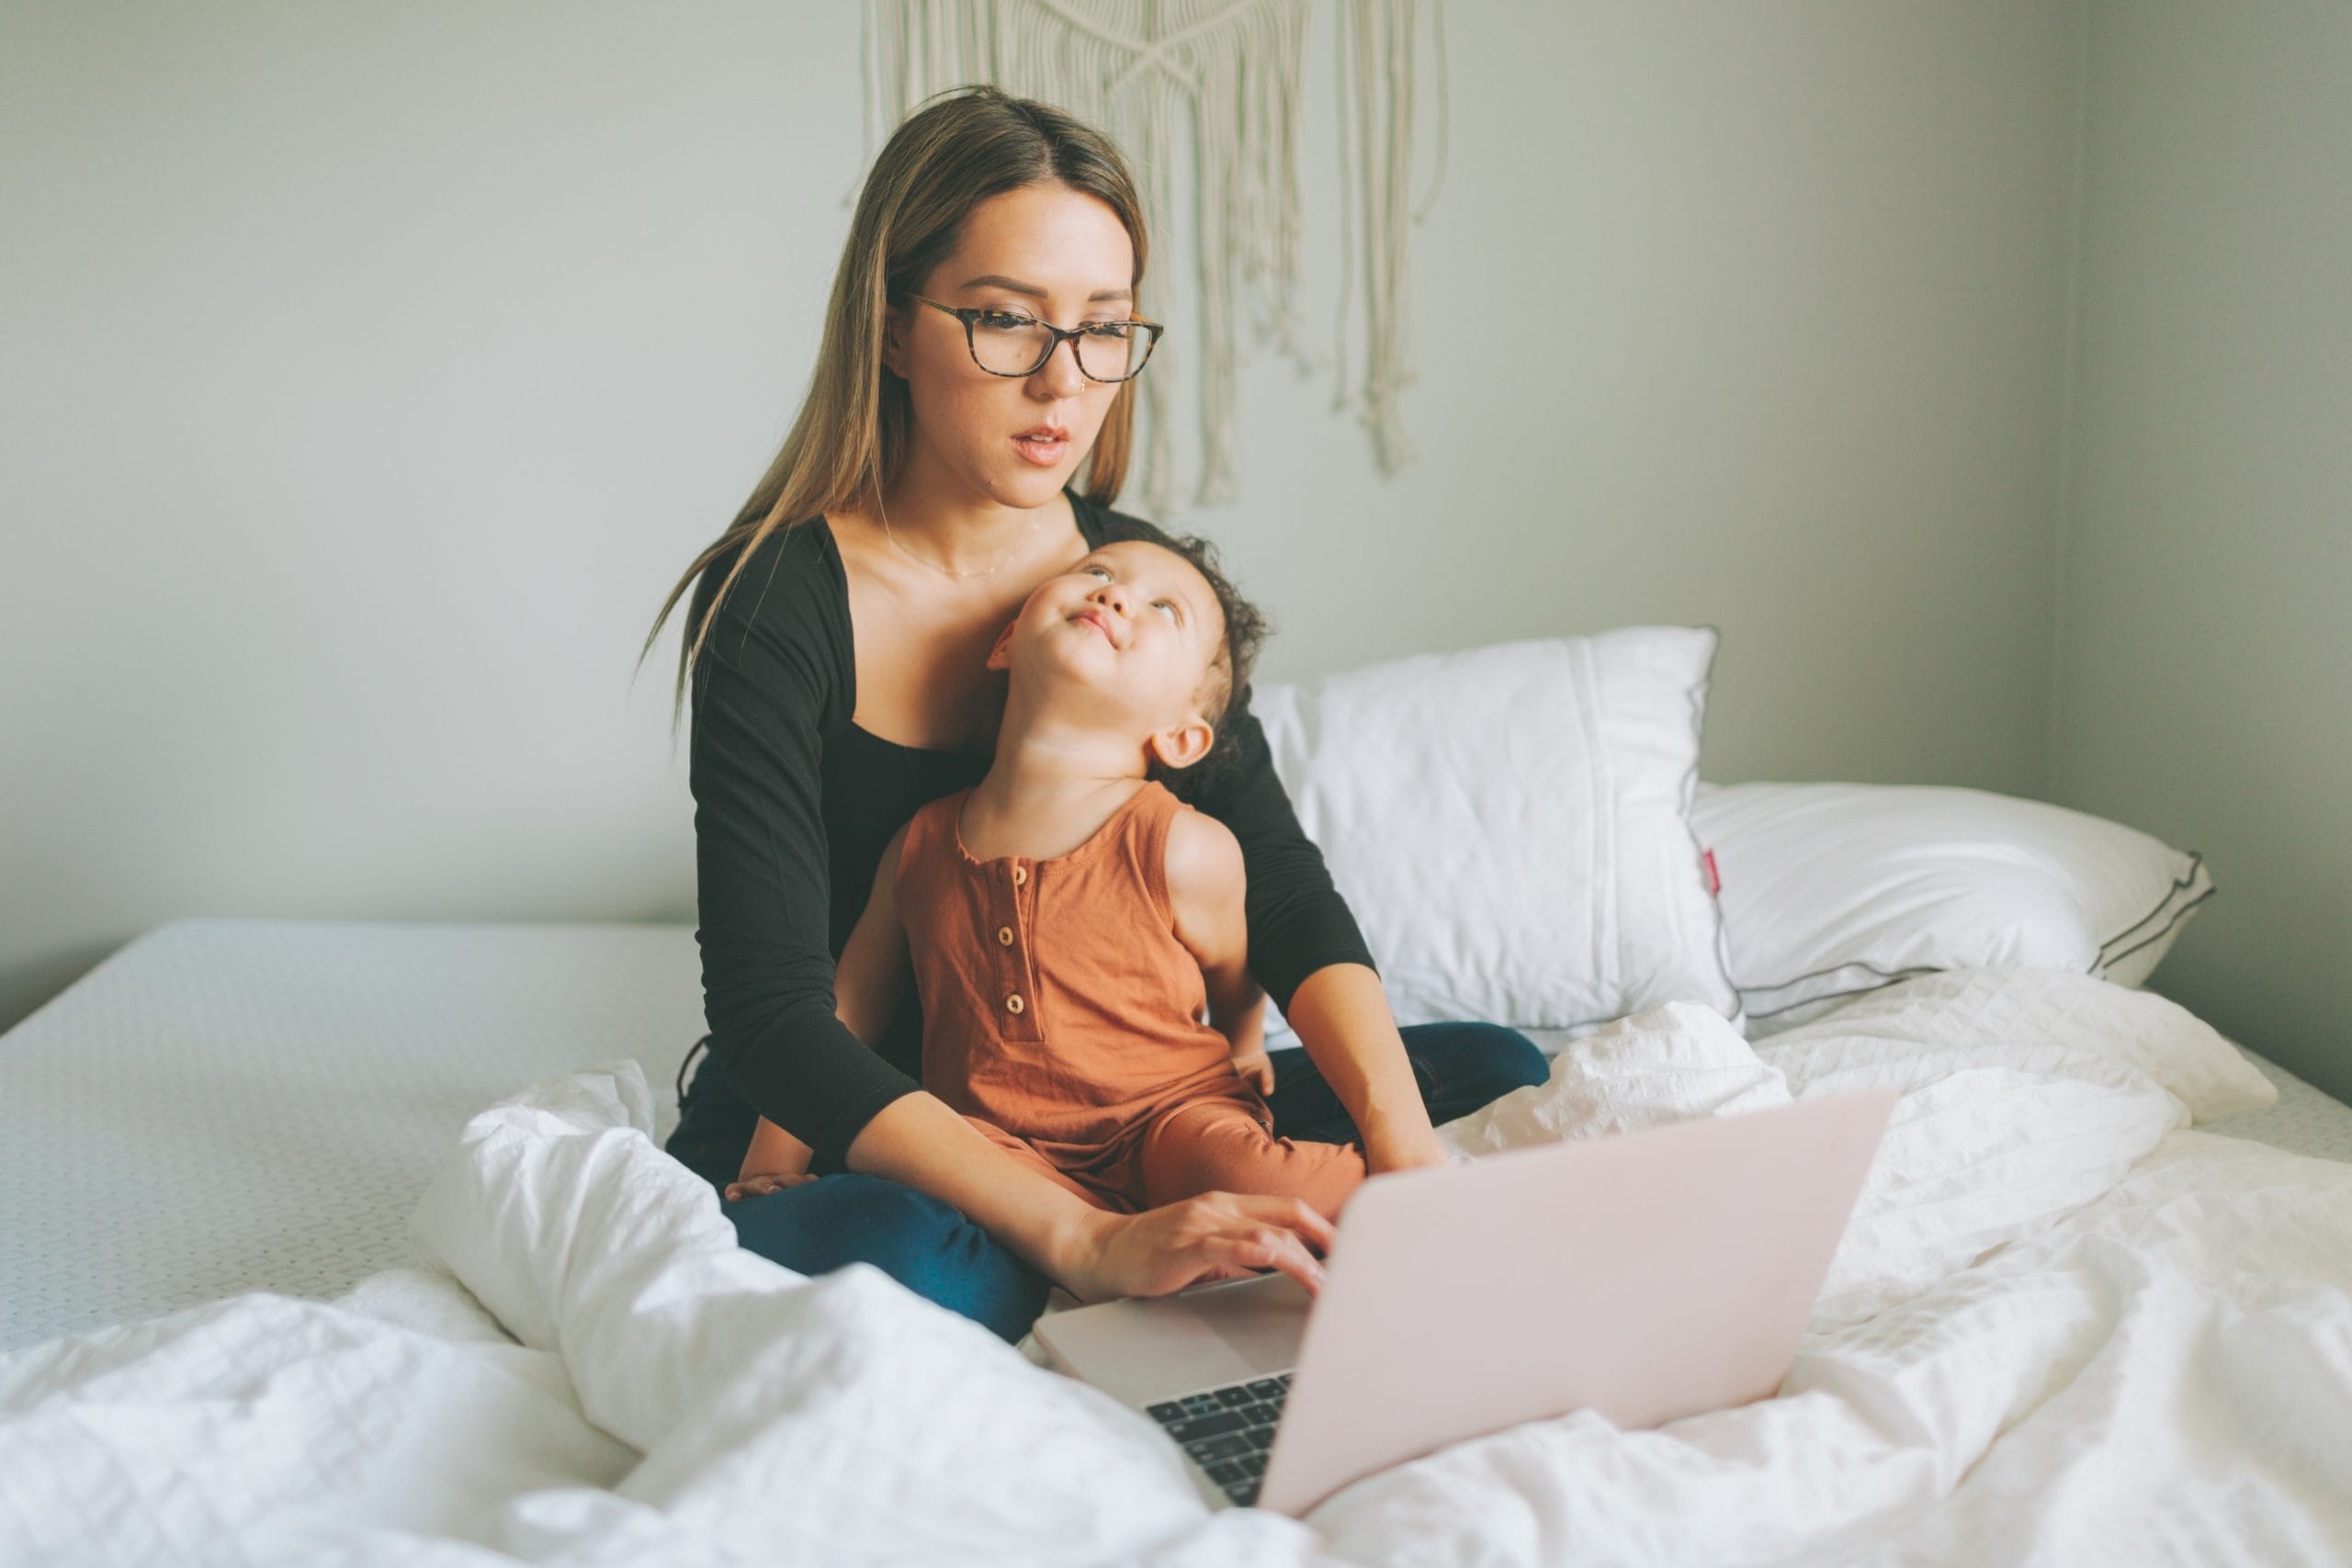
929	1247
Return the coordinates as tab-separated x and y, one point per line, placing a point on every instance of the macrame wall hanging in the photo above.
1146	72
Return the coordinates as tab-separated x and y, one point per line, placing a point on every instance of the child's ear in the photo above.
1001	656
1181	745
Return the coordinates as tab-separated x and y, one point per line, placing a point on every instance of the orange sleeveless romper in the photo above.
1062	1017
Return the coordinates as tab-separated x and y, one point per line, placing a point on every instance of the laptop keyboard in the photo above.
1228	1431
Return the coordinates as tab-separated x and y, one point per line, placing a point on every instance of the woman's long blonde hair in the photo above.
851	437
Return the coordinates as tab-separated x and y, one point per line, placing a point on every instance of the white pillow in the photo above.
1829	890
1511	824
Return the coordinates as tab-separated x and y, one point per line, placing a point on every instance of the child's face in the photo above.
1133	623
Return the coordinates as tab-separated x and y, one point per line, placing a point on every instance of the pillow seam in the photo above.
2102	960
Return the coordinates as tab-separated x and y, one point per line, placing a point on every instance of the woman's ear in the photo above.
894	356
1182	744
1001	656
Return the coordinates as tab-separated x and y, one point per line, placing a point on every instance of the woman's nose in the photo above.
1061	375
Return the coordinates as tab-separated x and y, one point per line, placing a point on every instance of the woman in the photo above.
982	328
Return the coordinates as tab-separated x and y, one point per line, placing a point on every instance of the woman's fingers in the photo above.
1214	1235
761	1186
1273	1232
1295	1214
1268	1247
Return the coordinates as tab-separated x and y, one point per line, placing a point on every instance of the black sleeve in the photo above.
773	666
1298	922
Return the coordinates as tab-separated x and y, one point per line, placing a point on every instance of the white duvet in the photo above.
2062	1328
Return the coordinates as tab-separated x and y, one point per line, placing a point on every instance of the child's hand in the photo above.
1256	1068
769	1181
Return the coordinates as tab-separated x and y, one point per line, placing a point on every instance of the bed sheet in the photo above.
2063	1327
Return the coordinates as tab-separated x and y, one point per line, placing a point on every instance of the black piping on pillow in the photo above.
2179	901
2174	900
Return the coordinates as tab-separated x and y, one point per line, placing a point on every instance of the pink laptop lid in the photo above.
1648	1276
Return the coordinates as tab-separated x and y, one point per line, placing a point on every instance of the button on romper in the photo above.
1062	1017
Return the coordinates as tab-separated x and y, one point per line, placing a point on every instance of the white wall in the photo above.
2205	675
369	372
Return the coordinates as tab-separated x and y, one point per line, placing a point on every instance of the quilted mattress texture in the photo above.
233	1105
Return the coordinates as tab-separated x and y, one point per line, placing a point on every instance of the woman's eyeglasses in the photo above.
1006	343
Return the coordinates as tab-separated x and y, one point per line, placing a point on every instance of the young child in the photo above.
1067	921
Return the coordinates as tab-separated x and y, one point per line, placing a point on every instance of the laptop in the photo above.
1647	1276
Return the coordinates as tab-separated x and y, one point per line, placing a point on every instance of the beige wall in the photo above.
2205	674
369	371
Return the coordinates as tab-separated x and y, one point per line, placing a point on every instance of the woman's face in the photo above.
1045	250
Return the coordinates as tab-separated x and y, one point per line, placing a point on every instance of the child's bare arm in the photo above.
871	978
868	984
1207	884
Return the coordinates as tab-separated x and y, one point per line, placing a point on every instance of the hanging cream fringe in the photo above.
1135	69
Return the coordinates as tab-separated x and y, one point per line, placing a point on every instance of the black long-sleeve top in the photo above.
794	805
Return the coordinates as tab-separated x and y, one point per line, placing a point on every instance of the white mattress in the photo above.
228	1105
2306	1121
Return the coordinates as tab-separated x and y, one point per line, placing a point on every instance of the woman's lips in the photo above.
1042	447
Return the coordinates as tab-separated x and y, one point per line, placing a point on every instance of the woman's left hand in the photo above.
759	1186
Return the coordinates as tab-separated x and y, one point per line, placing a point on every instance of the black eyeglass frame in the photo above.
970	315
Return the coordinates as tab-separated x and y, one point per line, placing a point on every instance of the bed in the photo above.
180	1124
229	1318
354	1243
239	1104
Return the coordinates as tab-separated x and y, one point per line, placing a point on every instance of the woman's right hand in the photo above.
1217	1236
920	1140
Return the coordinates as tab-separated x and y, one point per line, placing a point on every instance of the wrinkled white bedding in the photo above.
2062	1328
